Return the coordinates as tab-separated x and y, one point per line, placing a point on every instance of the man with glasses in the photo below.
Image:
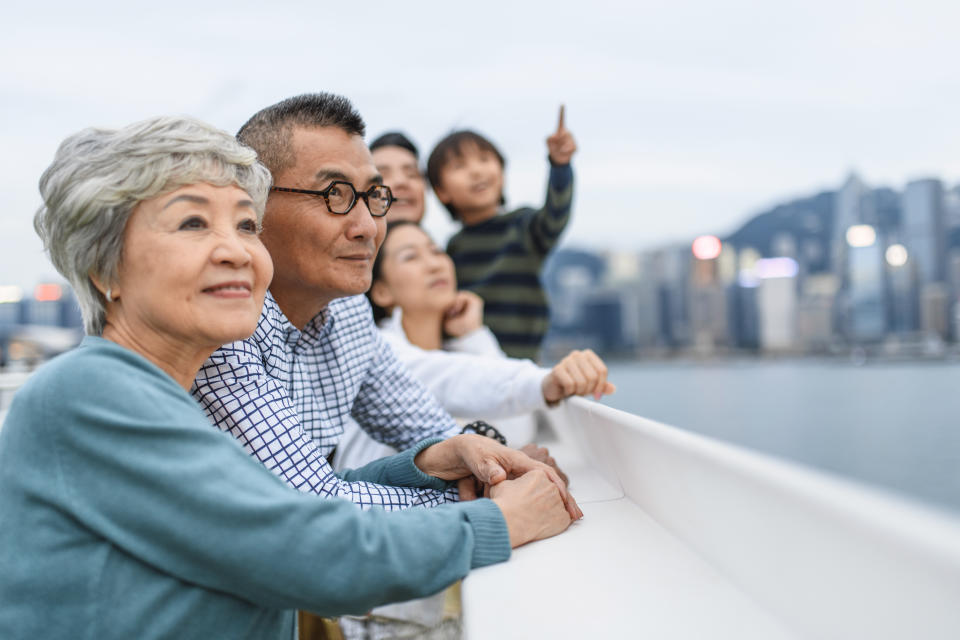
316	359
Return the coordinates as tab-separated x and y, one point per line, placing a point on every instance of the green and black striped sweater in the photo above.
500	259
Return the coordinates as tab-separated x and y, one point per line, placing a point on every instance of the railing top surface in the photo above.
836	496
807	554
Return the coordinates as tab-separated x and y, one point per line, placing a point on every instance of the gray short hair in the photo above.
98	177
269	130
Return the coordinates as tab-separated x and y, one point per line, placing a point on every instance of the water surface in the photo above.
893	425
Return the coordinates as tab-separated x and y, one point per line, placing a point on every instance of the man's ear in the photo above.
381	296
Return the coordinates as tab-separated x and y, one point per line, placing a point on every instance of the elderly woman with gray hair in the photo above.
125	514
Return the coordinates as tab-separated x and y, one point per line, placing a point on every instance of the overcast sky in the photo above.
690	116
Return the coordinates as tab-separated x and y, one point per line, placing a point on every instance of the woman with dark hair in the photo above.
438	333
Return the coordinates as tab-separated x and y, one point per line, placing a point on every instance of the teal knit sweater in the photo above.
125	514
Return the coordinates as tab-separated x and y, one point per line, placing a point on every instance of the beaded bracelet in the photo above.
483	428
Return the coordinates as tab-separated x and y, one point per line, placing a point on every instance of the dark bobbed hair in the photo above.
379	313
452	146
269	131
395	139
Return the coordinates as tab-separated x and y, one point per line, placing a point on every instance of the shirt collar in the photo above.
315	329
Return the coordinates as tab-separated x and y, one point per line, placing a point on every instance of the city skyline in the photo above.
857	271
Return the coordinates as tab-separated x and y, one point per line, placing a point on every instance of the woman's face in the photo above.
193	268
415	274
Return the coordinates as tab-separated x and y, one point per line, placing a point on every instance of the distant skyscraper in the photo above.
674	274
866	289
848	211
904	307
924	236
924	230
815	329
951	199
935	310
777	310
569	276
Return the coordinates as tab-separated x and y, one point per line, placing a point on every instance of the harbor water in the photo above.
891	425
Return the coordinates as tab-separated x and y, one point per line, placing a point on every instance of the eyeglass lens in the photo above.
379	199
342	195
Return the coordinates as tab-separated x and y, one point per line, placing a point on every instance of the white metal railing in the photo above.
819	556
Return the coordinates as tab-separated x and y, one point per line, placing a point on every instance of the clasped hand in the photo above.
532	496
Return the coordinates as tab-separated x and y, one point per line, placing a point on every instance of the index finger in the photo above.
455	309
560	122
572	508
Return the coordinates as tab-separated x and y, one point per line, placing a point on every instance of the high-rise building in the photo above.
866	287
924	230
849	210
924	236
951	207
777	305
673	277
815	329
707	296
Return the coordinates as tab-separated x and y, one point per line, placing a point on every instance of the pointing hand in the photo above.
561	144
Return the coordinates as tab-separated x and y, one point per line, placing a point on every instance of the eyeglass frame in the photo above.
357	195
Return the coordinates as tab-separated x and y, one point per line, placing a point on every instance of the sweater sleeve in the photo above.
479	341
469	384
546	224
135	461
398	470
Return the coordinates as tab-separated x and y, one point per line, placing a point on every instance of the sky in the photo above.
690	116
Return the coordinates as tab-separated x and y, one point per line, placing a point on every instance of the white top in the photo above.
471	377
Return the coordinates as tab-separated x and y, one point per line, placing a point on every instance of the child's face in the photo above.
472	182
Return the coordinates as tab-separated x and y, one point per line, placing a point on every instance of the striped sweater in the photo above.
500	259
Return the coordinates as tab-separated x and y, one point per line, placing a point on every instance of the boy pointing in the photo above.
500	255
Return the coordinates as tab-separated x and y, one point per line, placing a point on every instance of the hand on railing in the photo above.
473	460
532	507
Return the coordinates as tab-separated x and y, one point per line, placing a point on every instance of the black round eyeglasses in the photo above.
341	197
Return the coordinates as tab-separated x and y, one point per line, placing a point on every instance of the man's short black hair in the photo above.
268	132
395	139
452	146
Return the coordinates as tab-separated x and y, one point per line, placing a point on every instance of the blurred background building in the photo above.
858	270
37	325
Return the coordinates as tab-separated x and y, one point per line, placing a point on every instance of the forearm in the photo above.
391	484
397	470
486	385
561	177
479	342
550	221
199	509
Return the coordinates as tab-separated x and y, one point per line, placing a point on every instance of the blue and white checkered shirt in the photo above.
285	394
